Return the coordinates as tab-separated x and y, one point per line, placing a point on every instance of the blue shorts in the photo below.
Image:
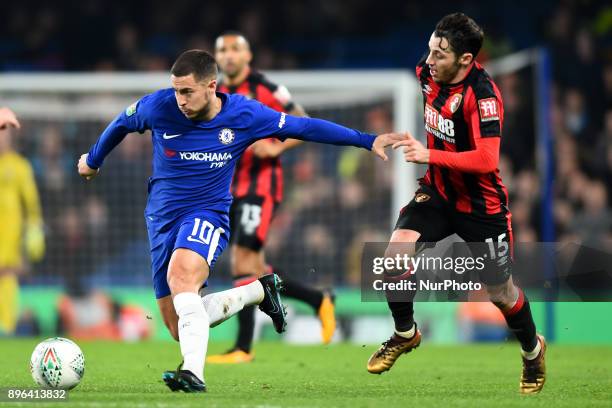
205	232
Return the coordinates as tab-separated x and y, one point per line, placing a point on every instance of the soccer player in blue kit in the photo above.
198	136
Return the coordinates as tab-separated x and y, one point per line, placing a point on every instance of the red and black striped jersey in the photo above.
254	176
456	116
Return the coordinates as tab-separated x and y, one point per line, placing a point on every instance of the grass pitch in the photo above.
129	375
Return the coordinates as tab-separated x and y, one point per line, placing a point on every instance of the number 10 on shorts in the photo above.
205	233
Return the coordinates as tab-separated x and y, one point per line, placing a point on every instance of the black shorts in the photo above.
250	219
490	235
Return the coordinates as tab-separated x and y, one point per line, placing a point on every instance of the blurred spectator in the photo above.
311	33
129	54
354	250
70	252
93	315
594	221
519	138
576	116
481	322
130	163
53	166
601	160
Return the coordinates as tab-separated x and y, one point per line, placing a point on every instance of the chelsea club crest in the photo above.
226	136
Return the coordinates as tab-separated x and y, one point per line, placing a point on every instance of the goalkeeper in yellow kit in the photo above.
20	221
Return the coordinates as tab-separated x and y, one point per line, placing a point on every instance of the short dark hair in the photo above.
197	62
462	33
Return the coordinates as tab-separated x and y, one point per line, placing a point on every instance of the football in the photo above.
57	363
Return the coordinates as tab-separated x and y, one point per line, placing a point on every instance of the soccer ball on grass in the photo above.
57	363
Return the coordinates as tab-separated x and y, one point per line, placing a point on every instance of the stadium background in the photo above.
335	198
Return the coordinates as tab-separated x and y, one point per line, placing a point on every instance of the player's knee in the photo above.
184	279
187	272
180	279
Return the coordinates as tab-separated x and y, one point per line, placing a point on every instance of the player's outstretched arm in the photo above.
267	123
136	118
89	163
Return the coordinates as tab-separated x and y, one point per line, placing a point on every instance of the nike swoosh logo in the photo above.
276	308
166	136
195	240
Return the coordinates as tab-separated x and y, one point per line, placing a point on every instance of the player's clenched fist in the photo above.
85	170
385	140
414	151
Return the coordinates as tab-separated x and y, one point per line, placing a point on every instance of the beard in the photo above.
450	73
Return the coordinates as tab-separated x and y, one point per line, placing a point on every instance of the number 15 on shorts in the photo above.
500	249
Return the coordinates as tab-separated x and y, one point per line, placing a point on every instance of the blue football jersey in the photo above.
193	161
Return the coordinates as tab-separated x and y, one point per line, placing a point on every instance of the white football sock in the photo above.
220	306
530	355
193	329
407	334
